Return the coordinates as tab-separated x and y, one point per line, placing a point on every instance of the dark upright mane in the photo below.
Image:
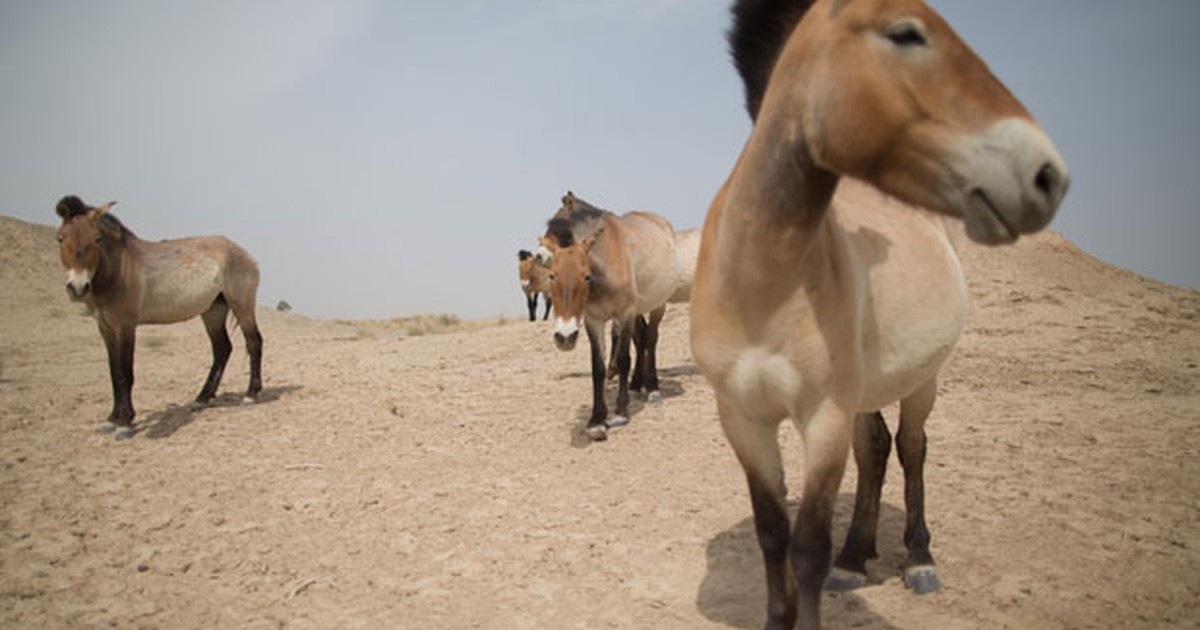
72	206
582	223
760	29
560	230
566	228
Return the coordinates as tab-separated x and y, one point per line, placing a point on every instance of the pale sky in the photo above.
390	158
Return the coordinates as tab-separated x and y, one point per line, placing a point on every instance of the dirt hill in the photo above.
392	480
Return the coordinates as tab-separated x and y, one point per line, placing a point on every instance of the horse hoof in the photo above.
124	433
654	398
248	400
922	579
617	422
597	432
107	428
197	405
842	580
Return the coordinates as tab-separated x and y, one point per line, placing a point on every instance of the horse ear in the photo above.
96	213
524	255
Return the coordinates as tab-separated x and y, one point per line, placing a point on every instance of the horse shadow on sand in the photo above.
670	386
163	424
734	590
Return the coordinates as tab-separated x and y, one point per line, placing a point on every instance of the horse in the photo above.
606	267
826	285
125	281
535	281
687	249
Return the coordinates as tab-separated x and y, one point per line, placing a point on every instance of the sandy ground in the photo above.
442	481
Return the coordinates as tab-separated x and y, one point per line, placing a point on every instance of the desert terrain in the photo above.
409	477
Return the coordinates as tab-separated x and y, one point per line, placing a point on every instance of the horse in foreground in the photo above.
125	281
535	281
820	294
608	267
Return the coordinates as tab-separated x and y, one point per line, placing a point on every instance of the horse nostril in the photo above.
1050	182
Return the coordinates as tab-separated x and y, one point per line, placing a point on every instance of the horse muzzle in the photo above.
566	333
1017	182
79	284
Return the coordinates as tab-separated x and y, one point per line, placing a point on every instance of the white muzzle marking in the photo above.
79	281
1016	180
566	332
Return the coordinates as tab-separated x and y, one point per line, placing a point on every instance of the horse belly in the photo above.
178	291
912	333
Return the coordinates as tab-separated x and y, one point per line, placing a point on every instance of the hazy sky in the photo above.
386	158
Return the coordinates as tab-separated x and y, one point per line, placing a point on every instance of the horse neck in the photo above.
775	206
116	260
609	264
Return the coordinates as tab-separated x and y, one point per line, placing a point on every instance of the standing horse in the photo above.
125	281
820	298
608	267
535	281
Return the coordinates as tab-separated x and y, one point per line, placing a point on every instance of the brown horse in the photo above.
535	281
608	267
822	299
125	281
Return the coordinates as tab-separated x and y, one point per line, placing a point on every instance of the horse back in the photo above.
650	243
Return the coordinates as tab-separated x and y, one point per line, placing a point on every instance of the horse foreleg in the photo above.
120	342
596	428
214	324
531	304
872	445
827	436
920	574
757	448
546	315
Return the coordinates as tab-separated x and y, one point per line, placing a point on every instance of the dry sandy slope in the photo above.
442	481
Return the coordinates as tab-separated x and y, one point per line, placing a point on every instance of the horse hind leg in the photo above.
649	371
214	323
920	574
872	445
243	311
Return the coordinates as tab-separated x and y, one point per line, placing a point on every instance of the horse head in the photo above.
887	92
81	239
570	288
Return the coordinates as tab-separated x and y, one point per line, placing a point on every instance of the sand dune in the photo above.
442	481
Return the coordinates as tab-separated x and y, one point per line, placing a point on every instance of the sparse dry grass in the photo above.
422	325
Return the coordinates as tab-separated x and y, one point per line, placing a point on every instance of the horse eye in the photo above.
99	238
906	34
60	238
588	278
